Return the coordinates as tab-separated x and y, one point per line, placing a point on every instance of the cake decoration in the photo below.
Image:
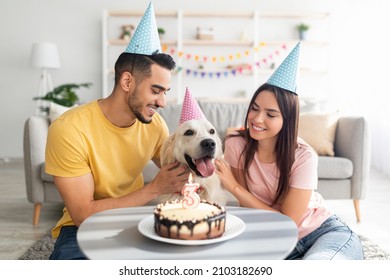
191	197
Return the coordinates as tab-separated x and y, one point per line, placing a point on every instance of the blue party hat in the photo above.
145	39
285	76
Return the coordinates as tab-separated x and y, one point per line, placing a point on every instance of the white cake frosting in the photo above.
205	221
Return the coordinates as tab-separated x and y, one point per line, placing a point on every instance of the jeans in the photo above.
66	246
333	240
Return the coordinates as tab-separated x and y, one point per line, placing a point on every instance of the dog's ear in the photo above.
167	151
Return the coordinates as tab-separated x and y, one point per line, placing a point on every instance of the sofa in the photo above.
342	175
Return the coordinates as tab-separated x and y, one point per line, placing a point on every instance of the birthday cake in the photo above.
206	221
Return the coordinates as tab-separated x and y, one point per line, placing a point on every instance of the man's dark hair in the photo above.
139	65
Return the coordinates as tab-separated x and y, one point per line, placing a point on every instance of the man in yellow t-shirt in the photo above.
97	151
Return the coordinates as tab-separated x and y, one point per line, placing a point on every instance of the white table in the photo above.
114	235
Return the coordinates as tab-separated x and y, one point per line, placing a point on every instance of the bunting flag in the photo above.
229	57
242	69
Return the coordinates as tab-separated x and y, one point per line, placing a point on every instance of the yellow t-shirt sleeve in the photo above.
65	154
163	136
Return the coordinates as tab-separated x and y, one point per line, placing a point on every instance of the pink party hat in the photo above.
190	109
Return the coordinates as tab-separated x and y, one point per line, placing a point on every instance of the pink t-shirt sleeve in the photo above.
233	149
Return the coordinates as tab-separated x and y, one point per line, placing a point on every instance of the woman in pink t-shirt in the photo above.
268	167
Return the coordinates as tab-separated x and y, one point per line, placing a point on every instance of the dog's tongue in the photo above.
205	166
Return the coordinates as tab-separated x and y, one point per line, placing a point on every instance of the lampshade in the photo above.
45	55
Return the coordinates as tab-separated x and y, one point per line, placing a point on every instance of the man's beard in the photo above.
141	118
136	107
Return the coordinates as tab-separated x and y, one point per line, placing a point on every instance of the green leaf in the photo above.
64	95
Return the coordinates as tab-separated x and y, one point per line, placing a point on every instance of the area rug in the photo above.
42	249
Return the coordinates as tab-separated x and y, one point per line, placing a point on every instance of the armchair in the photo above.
40	187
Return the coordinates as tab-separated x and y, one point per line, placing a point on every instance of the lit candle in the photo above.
191	198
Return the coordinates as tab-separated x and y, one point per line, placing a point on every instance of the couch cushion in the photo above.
149	172
334	168
171	115
224	115
44	176
319	131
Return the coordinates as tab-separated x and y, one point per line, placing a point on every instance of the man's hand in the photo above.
171	178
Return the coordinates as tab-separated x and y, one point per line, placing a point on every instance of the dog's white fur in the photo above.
192	138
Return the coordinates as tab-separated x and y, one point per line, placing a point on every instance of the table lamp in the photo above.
45	56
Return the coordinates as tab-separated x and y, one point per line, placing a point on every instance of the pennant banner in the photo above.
206	58
240	69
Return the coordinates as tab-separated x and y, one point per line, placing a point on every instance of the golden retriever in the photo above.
196	144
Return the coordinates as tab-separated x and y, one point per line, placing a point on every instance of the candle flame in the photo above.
190	178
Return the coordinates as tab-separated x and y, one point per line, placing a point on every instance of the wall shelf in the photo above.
299	15
122	42
180	37
196	42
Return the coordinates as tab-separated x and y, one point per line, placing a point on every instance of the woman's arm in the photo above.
294	204
233	180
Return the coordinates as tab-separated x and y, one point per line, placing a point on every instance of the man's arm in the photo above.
77	192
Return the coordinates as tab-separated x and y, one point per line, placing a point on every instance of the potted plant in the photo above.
302	30
64	95
161	32
127	32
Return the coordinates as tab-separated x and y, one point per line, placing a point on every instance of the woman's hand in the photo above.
225	175
240	191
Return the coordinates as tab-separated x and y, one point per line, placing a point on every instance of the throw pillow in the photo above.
55	110
319	131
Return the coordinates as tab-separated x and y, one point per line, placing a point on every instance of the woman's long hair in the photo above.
287	139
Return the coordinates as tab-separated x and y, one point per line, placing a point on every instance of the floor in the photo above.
17	233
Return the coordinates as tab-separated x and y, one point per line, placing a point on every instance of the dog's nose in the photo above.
208	144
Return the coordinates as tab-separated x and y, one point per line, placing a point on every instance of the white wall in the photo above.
361	69
358	56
